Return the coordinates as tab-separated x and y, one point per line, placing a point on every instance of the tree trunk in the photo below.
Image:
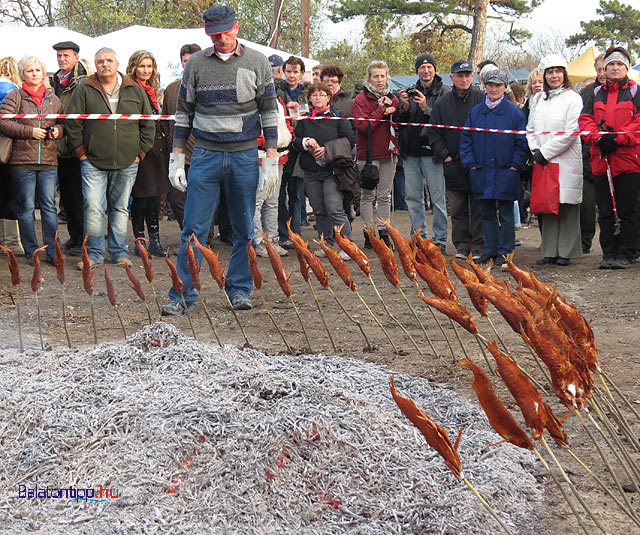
275	24
479	32
306	10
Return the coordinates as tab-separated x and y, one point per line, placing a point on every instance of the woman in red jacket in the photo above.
376	102
615	107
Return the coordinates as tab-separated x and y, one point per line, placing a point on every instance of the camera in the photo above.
50	132
411	90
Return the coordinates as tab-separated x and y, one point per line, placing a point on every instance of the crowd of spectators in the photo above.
243	154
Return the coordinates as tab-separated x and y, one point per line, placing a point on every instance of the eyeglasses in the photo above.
319	95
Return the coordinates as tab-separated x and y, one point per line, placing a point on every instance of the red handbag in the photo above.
545	189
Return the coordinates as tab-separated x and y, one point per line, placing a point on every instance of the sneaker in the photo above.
320	253
605	263
443	248
280	250
344	256
287	244
261	250
476	255
518	243
241	302
92	264
500	261
174	308
563	261
462	255
484	259
123	260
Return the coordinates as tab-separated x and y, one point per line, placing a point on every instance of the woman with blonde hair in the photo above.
152	180
34	158
376	102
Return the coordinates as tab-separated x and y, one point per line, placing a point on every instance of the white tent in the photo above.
163	43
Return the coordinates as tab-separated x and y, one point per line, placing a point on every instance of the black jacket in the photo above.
411	141
322	131
452	110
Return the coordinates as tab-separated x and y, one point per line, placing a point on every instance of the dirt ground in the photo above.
610	299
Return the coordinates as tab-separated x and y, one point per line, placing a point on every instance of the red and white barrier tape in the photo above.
139	117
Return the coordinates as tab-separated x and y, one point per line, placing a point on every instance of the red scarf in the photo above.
151	92
315	112
36	94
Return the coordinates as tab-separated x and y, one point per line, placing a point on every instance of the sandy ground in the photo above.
609	299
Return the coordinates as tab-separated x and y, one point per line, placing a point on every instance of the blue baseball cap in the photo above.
275	61
218	19
462	65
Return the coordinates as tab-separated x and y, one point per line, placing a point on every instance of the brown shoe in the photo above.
124	260
92	264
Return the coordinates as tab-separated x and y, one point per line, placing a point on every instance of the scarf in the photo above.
374	90
293	93
151	92
63	79
36	94
554	92
491	104
315	113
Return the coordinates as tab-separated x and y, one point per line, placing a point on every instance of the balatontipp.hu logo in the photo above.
70	494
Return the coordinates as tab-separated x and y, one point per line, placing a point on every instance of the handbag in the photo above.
369	176
6	143
545	189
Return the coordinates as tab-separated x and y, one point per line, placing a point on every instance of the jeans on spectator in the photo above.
386	170
399	190
211	170
587	213
498	226
28	186
266	216
70	181
290	205
325	197
419	170
7	194
106	191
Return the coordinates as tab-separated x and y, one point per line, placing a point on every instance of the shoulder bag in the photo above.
6	143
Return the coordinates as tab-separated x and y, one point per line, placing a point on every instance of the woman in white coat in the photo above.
557	108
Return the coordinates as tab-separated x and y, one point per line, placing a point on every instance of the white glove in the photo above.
177	174
269	177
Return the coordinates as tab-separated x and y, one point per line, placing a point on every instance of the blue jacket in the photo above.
6	88
493	155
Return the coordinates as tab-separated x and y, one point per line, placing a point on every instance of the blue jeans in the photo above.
106	191
498	226
238	173
419	170
28	185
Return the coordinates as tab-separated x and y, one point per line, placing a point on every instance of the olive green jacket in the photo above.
109	144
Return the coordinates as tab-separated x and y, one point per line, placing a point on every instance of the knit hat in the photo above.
616	56
425	58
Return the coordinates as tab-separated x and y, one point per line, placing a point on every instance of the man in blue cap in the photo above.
226	100
453	109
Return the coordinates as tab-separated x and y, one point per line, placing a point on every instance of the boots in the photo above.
367	241
10	235
384	236
137	222
155	248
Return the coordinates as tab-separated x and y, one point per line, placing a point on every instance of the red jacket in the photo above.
366	105
619	105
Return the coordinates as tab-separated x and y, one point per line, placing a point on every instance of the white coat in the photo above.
559	114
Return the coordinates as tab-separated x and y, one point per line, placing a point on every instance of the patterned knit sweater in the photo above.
227	104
